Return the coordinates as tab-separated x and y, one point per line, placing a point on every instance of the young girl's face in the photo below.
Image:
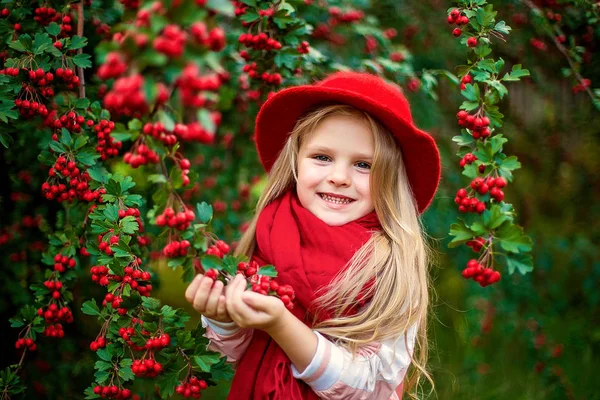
333	170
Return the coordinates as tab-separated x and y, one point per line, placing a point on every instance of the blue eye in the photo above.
321	157
363	165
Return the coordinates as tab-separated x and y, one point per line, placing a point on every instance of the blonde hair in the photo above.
396	258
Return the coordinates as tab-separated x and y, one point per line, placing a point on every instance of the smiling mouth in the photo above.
336	200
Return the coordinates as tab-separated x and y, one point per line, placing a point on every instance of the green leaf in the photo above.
126	374
249	16
211	262
511	238
104	354
87	156
102	365
497	142
222	371
80	142
111	212
41	43
65	137
461	233
16	323
166	120
6	139
53	29
470	171
287	59
521	262
134	125
82	60
516	73
90	308
510	163
469	105
224	7
77	42
494	217
82	104
464	139
129	225
267	270
99	174
500	88
205	361
157	178
206	120
57	147
502	27
167	384
471	92
205	212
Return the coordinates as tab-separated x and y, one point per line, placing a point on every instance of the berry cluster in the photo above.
107	146
99	343
69	77
112	392
54	314
348	17
70	120
465	79
468	204
476	244
240	8
61	263
176	248
191	83
158	342
171	42
113	67
26	342
213	40
467	159
259	42
479	126
266	285
29	109
180	220
480	274
55	286
141	155
303	47
252	71
126	98
131	4
455	18
100	274
45	15
191	388
146	368
40	77
55	330
219	249
158	131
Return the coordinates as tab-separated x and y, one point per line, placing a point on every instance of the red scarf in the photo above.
308	254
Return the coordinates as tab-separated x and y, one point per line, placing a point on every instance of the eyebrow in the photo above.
328	150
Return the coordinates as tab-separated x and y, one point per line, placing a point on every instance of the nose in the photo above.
339	175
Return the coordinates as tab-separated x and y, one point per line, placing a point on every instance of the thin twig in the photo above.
564	51
80	50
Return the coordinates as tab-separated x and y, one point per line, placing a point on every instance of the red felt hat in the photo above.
382	100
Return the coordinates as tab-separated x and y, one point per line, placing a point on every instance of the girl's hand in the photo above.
208	299
252	310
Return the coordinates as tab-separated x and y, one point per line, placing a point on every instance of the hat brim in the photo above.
279	114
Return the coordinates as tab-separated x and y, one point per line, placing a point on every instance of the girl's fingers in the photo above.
202	294
222	308
190	292
213	299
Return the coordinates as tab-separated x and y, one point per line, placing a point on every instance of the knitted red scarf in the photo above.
308	254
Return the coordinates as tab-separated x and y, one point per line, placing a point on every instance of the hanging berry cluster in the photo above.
488	227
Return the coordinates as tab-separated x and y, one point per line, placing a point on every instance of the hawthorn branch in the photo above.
564	51
80	50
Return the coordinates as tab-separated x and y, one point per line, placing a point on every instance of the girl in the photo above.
349	175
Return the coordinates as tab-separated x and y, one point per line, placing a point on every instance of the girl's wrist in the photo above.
280	322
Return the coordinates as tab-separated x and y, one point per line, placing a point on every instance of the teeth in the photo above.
335	199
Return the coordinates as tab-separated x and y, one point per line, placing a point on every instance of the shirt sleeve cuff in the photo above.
325	368
220	328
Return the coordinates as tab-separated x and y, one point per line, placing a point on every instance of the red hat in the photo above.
383	101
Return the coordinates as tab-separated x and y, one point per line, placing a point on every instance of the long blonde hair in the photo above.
396	258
